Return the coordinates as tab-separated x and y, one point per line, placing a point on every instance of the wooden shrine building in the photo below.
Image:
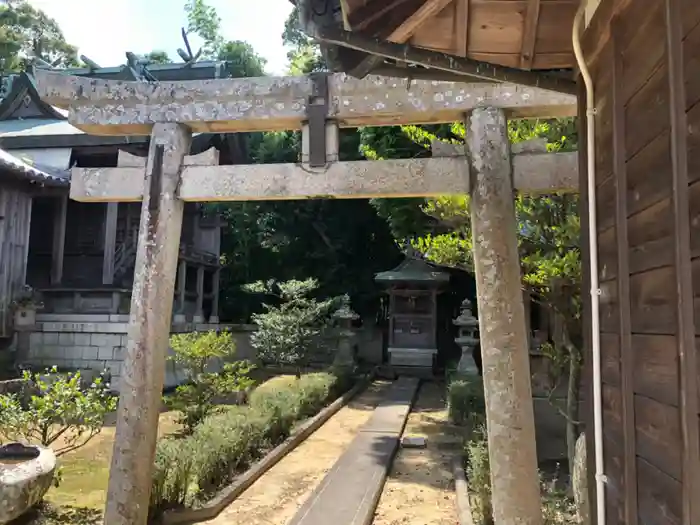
20	183
78	258
413	287
81	255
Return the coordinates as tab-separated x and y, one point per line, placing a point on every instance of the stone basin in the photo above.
26	473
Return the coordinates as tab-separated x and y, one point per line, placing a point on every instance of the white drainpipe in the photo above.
600	478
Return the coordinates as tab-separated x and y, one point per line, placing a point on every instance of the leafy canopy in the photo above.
291	331
27	33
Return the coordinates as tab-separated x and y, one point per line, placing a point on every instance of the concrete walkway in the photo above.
281	491
349	493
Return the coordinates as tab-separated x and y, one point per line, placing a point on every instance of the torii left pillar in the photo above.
143	375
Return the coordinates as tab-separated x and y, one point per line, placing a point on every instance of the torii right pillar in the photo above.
504	347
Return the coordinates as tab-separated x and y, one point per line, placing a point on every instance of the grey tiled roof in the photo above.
36	126
18	168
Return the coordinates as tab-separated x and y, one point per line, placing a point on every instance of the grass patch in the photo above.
85	472
227	442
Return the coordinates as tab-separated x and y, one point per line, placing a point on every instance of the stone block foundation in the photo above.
98	342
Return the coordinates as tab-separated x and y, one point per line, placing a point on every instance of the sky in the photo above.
105	30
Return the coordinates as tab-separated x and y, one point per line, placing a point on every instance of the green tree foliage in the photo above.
292	35
405	216
304	55
205	22
26	33
242	58
548	240
291	331
158	57
548	228
208	361
340	243
60	408
305	60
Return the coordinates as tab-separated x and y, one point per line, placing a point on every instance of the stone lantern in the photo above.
344	316
467	338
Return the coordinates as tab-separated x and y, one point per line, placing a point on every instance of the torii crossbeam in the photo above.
109	107
319	105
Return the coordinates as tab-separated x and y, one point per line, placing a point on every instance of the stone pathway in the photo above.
280	492
420	487
349	493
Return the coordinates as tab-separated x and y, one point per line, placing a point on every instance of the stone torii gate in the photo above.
318	105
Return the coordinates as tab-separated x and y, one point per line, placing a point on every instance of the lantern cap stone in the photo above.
345	311
466	317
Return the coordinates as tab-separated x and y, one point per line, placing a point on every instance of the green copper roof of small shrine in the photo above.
413	270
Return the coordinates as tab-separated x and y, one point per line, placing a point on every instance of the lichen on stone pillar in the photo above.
504	345
143	372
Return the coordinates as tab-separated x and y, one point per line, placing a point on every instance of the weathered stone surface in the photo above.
111	107
536	145
12	386
143	374
345	354
23	485
390	416
504	342
440	148
579	479
414	442
545	172
533	173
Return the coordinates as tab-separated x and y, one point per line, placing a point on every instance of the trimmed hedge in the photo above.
189	470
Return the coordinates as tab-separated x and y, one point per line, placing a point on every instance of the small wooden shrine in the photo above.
413	287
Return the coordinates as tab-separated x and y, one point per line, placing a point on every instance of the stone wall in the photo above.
98	341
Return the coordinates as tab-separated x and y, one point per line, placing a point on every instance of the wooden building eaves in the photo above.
459	69
361	37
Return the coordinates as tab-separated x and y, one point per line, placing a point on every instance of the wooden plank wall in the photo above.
647	80
15	221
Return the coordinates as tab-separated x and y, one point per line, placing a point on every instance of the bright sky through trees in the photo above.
104	31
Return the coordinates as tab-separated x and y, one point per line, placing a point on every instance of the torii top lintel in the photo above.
113	107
